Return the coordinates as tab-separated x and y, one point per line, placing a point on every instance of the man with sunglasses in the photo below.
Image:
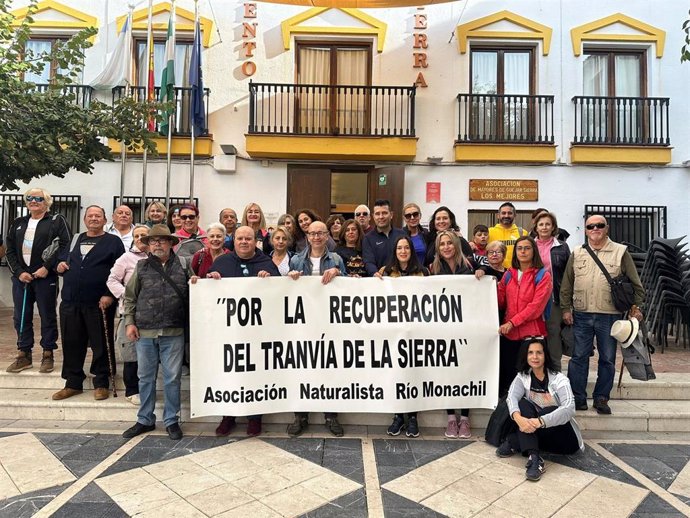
189	214
245	261
363	217
585	300
34	280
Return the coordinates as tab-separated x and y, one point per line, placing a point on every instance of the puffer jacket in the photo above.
524	302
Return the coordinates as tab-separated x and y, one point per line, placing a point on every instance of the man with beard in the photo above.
506	231
156	300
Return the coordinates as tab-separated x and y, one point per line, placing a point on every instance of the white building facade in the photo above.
574	106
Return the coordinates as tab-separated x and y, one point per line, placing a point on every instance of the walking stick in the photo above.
21	324
107	349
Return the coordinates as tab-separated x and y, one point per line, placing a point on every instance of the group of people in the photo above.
541	287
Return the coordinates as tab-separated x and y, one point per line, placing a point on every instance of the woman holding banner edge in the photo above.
404	263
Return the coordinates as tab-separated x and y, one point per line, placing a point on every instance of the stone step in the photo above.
629	415
667	386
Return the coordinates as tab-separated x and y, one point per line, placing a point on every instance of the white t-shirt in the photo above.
315	265
28	243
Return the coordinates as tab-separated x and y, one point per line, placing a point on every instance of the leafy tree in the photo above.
685	50
47	132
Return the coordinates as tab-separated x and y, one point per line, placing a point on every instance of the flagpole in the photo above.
191	158
128	93
149	87
170	119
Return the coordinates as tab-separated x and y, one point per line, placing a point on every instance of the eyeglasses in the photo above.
412	215
188	216
494	252
592	226
158	240
360	214
245	270
39	199
317	234
523	248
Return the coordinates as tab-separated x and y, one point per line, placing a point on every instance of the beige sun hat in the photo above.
160	231
625	331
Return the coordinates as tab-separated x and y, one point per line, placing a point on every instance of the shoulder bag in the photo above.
622	292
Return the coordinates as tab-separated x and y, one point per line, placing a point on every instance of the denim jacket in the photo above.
301	262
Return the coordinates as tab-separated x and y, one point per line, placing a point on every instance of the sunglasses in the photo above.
360	214
411	215
592	226
39	199
188	216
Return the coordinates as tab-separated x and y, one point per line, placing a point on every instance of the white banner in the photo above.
260	346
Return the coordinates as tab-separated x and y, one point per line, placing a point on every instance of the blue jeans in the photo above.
169	350
585	327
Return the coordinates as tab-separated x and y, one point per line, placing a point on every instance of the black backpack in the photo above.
500	424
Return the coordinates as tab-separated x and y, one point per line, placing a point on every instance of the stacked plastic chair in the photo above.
666	279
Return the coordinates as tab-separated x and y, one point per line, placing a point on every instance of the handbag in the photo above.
500	424
622	292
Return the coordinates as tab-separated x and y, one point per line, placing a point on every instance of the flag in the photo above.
150	78
117	69
197	113
167	92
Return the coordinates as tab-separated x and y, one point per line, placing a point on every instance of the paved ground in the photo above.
75	469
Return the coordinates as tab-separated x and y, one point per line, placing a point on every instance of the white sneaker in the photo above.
134	399
185	370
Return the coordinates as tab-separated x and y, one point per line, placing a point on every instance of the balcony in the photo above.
80	94
326	122
181	129
505	128
627	130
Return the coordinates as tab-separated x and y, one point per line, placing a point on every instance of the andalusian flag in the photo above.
167	92
150	79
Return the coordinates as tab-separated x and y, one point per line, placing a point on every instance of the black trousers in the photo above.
43	293
130	377
560	439
509	352
82	326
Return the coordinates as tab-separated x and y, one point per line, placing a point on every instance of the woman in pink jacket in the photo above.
523	292
119	276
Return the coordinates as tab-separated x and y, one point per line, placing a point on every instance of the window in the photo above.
183	53
501	81
635	225
341	107
37	47
615	81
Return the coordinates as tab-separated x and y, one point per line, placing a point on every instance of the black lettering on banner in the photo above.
300	354
430	308
245	395
353	354
427	352
237	358
383	359
246	311
297	316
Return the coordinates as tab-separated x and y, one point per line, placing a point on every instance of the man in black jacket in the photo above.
33	276
85	299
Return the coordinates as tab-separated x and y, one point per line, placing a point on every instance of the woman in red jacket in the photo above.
524	292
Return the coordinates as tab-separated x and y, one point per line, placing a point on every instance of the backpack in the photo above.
537	279
500	424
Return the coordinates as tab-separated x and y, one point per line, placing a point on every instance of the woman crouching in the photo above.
541	403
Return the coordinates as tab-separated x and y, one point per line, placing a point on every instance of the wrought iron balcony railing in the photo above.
346	110
503	119
81	94
183	105
638	121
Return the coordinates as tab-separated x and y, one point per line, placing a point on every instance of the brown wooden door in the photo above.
388	183
309	188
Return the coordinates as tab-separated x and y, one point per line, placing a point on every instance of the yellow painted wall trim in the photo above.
81	20
375	27
180	146
473	29
620	155
587	32
505	153
398	149
140	21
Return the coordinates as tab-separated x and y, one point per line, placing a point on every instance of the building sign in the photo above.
419	46
433	192
504	190
261	346
249	39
